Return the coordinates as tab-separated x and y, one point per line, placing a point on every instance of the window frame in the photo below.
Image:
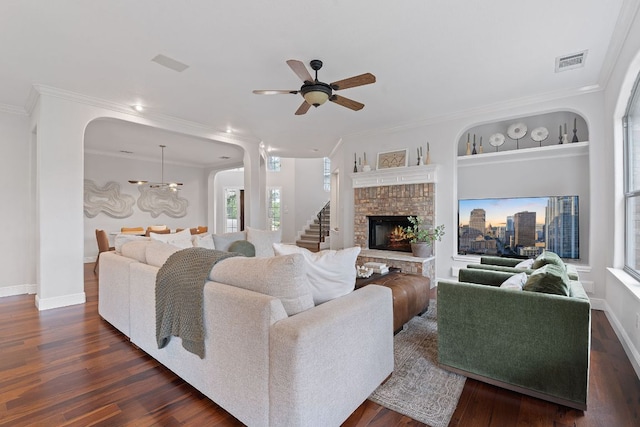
630	194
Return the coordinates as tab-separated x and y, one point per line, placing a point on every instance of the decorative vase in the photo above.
422	249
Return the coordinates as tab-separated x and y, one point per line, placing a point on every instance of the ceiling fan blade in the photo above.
275	92
362	79
300	70
303	108
346	102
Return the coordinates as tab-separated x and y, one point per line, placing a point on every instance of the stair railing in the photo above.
323	216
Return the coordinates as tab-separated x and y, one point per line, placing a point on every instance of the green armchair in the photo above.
530	342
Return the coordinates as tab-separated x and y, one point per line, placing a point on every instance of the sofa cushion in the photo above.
203	241
516	282
223	241
548	257
181	239
121	239
527	263
136	249
263	240
282	277
243	247
157	252
331	273
550	279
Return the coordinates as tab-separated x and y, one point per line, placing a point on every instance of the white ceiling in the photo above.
432	59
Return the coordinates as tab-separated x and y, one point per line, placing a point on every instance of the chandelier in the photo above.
172	186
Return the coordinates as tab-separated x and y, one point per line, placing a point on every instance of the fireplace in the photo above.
386	233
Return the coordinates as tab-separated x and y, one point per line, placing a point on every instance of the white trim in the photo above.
61	301
526	154
395	176
11	109
629	348
9	291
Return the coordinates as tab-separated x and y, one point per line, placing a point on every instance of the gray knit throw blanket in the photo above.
179	296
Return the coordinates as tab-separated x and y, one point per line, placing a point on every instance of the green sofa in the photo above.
508	265
530	342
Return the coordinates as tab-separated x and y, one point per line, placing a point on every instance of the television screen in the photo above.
519	227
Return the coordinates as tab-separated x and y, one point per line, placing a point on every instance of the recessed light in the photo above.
139	108
229	130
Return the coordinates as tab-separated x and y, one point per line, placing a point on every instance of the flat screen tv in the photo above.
519	226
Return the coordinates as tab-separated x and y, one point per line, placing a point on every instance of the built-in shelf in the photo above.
395	176
526	154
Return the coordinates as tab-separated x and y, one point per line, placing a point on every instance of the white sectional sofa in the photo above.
266	368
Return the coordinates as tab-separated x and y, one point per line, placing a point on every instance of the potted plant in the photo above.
421	237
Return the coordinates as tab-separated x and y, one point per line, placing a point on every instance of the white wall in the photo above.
102	169
17	258
622	291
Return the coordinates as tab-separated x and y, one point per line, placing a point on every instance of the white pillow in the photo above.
331	274
528	263
157	252
121	239
223	241
203	241
181	239
282	277
515	282
263	241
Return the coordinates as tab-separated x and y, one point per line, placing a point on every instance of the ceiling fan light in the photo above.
316	94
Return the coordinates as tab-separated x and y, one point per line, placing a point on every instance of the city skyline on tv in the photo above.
497	210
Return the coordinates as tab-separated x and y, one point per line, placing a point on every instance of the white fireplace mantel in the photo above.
395	176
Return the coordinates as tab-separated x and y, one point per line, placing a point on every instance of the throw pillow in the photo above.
331	274
136	249
525	264
181	239
243	247
549	279
281	277
203	241
158	252
548	257
121	239
515	282
264	240
223	241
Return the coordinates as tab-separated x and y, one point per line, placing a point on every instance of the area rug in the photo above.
418	388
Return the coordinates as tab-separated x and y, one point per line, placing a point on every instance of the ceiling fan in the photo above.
173	186
316	92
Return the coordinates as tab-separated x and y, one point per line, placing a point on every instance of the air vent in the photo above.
170	63
570	62
126	152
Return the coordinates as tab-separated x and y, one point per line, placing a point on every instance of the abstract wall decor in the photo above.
158	201
107	199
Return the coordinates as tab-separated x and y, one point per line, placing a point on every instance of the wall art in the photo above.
107	200
158	201
393	159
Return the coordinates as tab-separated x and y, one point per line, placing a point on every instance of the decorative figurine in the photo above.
560	135
468	145
565	138
474	145
480	150
575	130
355	162
428	161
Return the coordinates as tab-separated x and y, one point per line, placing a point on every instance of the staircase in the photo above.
315	236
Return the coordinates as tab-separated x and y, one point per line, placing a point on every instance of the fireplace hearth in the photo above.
386	233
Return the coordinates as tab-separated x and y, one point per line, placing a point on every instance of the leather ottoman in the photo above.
410	294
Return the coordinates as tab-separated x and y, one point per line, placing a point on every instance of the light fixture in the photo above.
316	93
172	186
137	107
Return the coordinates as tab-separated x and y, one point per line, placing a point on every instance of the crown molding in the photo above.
186	126
12	109
627	14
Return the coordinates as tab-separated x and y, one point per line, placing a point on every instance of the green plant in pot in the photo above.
422	237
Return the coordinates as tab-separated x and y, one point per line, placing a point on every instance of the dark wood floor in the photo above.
68	367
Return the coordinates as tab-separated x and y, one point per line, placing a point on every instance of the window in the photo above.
273	208
273	164
631	123
231	197
327	173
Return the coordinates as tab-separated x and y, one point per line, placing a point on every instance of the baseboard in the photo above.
61	301
627	344
10	291
89	259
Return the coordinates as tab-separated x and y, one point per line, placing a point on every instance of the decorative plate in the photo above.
517	130
496	140
539	134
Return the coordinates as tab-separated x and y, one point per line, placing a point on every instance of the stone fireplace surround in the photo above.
399	191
